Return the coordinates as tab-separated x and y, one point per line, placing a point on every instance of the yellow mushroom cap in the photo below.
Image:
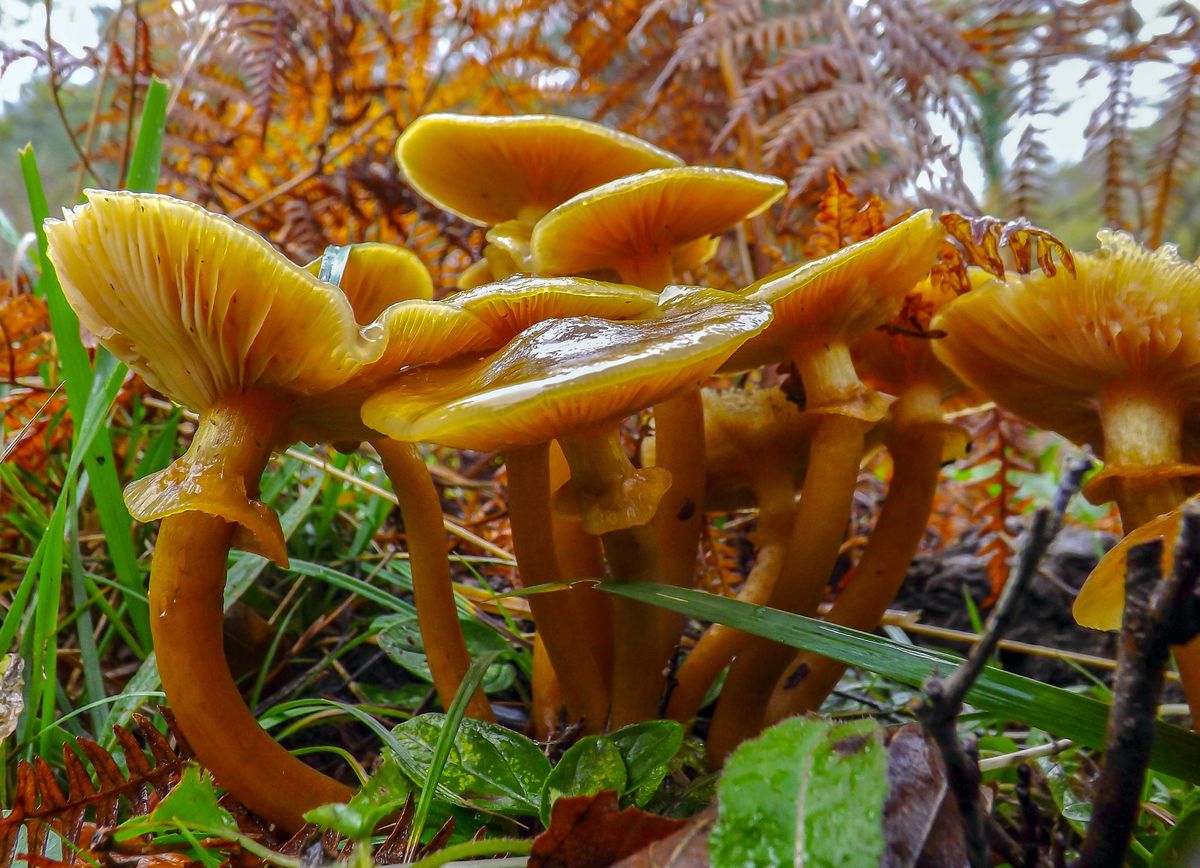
840	297
647	215
487	170
560	375
510	306
1101	600
377	276
200	306
1047	347
207	312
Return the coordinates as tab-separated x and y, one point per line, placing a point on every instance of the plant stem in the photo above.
187	580
917	457
557	617
837	446
679	522
437	614
719	644
469	849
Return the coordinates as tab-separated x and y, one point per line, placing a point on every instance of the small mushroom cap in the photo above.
476	274
560	375
749	433
1046	347
510	306
647	215
1101	600
377	276
487	170
840	297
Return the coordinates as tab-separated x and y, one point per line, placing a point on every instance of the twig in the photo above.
1158	614
1003	761
943	702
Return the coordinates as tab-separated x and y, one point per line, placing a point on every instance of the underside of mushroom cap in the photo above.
560	375
1048	347
840	297
647	215
487	170
200	306
510	306
379	275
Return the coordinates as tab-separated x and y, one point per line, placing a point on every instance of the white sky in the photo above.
75	26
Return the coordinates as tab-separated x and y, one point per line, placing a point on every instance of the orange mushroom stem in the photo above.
433	590
233	442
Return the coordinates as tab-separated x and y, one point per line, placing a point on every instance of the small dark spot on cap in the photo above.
686	510
798	675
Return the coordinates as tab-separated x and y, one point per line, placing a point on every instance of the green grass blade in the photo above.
1057	711
43	663
454	715
89	658
78	376
147	150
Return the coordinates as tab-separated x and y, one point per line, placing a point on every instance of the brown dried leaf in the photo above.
593	832
686	848
921	825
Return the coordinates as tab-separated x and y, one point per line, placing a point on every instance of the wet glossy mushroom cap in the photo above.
842	296
561	375
647	215
510	306
487	170
376	276
1050	348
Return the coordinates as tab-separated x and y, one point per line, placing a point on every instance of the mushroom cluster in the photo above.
571	322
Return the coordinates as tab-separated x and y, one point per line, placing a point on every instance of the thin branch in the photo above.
938	712
1158	614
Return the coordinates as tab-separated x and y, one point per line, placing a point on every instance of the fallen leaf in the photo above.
686	848
921	824
593	832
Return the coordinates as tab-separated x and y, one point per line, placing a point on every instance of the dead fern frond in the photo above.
96	788
981	240
1176	152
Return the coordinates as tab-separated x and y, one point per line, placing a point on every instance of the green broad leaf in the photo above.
399	637
192	804
647	749
1063	714
590	765
805	792
488	765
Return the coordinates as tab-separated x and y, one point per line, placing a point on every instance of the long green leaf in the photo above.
77	374
147	150
1057	711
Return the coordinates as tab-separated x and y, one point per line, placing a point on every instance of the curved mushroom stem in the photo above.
917	459
187	582
679	522
433	590
834	456
776	511
599	464
559	618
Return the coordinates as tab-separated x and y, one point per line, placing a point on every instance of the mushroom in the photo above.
1108	356
642	227
572	379
821	307
899	362
211	315
756	442
506	172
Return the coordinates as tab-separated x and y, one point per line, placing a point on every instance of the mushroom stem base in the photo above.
187	581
